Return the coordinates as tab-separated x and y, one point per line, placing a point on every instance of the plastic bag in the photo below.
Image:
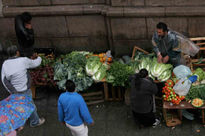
182	87
186	45
182	71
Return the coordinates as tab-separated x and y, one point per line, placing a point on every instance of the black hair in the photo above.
26	17
70	86
12	50
142	74
162	26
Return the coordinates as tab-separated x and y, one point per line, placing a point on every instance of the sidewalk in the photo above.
111	119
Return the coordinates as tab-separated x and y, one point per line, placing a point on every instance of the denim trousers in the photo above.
34	118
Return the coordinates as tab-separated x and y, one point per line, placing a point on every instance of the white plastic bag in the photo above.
186	45
182	87
182	71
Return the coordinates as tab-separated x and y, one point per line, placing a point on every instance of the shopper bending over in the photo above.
142	90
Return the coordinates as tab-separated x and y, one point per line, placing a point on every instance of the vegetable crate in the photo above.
93	97
199	58
113	93
94	94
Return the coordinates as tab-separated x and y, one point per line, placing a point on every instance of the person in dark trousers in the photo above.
73	111
142	90
166	45
24	34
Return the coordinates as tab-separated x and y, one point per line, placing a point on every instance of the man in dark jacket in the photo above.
24	33
166	45
142	90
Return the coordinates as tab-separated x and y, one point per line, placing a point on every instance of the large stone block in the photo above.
196	26
119	2
43	43
86	25
189	2
93	44
128	28
26	2
125	47
98	44
159	2
7	29
96	1
174	23
185	11
60	2
127	3
144	11
136	2
66	45
50	26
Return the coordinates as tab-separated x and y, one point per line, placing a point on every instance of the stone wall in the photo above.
99	25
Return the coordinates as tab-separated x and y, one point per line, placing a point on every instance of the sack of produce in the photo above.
182	71
182	87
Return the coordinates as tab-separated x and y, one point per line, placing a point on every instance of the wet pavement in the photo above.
111	119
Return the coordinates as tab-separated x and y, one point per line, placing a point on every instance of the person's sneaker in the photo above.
41	121
157	122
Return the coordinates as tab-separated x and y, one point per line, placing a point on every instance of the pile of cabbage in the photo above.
157	71
95	68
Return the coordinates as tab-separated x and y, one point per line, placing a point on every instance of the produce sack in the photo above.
186	46
182	87
182	71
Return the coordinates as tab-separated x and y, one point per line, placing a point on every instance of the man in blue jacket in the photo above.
73	111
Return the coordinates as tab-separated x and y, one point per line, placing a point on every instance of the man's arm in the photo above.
9	87
85	114
60	112
33	63
156	49
155	43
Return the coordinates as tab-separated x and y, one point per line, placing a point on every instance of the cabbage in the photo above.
165	76
92	65
158	68
145	63
100	74
200	74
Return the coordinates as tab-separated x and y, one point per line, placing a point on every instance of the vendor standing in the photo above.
166	45
24	34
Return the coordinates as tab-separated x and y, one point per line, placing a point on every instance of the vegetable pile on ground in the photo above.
169	94
72	67
118	74
44	74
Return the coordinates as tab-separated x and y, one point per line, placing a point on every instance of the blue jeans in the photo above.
34	118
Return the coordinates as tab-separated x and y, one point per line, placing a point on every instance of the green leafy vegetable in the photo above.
118	74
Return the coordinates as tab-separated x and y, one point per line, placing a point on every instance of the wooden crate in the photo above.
113	93
93	97
199	41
